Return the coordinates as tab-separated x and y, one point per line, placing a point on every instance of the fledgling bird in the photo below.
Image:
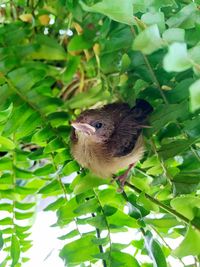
109	139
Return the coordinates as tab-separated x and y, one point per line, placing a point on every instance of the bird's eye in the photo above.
98	125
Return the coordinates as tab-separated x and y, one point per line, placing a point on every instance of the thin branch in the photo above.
163	206
107	224
168	176
100	246
164	242
154	78
59	179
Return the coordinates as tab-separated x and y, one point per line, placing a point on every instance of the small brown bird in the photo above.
109	139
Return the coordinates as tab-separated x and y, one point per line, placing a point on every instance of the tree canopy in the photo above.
58	58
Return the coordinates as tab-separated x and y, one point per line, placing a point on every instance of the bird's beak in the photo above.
83	127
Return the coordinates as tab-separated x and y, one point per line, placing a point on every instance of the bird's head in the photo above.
94	124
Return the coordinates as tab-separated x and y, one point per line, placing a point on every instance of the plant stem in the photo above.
100	246
154	78
163	206
107	224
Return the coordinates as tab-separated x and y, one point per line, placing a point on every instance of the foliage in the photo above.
60	57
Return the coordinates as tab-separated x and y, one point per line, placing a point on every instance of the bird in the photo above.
109	139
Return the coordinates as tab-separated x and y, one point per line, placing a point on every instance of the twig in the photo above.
163	206
100	246
107	224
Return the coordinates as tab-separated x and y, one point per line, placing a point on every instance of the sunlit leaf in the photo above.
6	144
88	249
186	205
119	10
195	95
189	244
148	40
155	251
177	58
15	250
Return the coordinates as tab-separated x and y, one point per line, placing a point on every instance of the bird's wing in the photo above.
129	128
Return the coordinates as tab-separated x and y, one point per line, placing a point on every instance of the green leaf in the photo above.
57	119
47	48
23	216
89	206
6	206
144	202
71	234
26	128
97	221
66	212
195	95
24	206
177	58
72	65
54	145
118	10
148	40
6	144
79	43
15	250
1	241
23	174
151	18
88	98
184	15
119	258
70	167
189	244
18	117
174	148
155	251
186	205
50	188
83	184
166	221
5	114
109	210
56	204
166	114
5	163
45	170
121	219
62	156
88	249
6	221
24	79
42	136
174	35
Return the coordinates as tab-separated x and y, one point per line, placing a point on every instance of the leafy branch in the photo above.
163	206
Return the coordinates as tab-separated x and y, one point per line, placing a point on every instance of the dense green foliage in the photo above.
60	57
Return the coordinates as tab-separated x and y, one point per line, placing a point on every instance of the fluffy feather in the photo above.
117	143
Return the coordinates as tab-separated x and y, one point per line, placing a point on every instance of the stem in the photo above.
107	224
165	243
100	246
154	78
163	206
59	179
168	176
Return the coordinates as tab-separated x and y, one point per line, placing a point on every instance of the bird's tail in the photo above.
142	109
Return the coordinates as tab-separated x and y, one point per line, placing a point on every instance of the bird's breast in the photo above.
99	159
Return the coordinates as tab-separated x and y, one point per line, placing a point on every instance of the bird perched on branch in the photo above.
109	139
